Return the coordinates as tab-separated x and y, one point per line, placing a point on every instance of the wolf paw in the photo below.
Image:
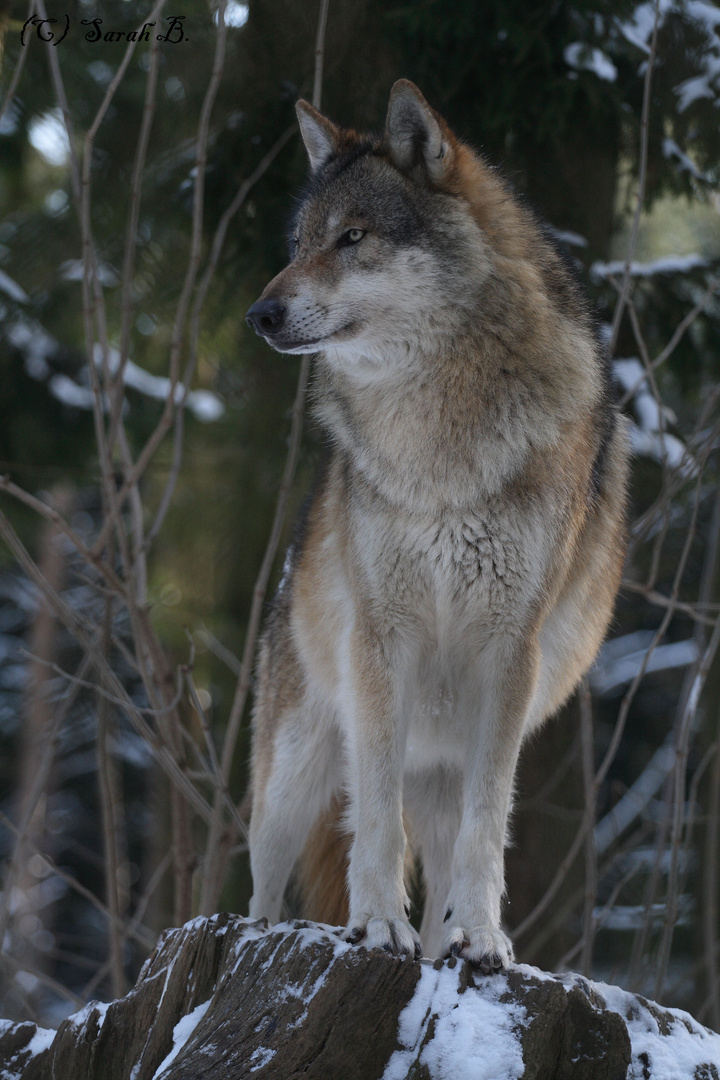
395	936
486	948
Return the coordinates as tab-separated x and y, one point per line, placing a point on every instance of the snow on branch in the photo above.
670	264
648	436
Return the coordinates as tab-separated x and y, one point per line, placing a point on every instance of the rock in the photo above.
228	998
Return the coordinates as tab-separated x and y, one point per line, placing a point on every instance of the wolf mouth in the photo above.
289	345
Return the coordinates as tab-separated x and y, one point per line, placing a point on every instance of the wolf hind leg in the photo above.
433	802
291	792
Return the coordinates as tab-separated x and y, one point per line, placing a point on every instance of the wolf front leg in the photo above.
376	736
478	880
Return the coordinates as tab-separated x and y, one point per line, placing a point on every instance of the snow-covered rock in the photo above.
228	998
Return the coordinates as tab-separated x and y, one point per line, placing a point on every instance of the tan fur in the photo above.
463	547
323	865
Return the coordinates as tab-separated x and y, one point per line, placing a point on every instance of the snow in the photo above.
685	163
13	290
475	1036
647	437
41	1040
458	1031
583	57
261	1057
181	1034
703	13
674	1056
38	346
665	449
100	1009
565	236
68	392
638	30
74	270
48	135
609	675
35	343
203	403
669	264
236	14
696	89
632	916
700	87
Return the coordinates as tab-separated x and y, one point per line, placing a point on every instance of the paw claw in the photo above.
394	936
487	949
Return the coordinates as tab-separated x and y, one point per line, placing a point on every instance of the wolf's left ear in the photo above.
320	136
414	135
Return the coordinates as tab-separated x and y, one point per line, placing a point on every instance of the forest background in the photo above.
153	462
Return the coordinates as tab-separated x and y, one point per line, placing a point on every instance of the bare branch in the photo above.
591	864
62	991
642	177
213	880
52	515
320	53
682	749
13	84
144	939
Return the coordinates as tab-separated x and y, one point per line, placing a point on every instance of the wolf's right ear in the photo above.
320	136
414	133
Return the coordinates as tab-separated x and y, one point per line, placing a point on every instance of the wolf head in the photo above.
388	245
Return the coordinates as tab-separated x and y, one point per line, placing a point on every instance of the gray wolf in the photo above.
462	549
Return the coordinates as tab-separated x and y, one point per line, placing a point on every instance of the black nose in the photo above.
266	317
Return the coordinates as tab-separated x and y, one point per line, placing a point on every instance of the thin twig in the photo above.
659	600
615	740
145	940
682	750
109	814
642	177
76	625
52	515
178	331
198	302
591	863
215	774
673	342
710	888
43	764
320	53
12	87
112	699
131	235
52	984
214	859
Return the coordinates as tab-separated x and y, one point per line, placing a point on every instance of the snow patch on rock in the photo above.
473	1037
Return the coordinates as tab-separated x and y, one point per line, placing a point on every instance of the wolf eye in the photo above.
352	236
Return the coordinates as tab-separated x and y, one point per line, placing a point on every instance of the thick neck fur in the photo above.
455	414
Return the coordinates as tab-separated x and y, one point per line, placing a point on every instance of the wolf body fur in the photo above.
463	547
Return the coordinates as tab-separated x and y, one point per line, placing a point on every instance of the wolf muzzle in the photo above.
266	317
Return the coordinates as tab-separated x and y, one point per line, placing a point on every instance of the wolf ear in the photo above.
414	135
320	136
